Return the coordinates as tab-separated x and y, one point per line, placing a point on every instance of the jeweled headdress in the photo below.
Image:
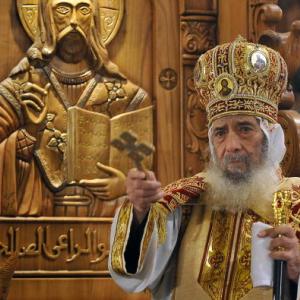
241	78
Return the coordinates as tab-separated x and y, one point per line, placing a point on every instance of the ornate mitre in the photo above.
240	78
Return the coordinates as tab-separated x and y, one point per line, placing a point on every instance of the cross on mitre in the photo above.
128	141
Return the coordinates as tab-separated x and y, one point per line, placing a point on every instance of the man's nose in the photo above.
73	21
233	143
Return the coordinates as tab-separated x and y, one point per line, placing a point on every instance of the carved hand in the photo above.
106	188
33	102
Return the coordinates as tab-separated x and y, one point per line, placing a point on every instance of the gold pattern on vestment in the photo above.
215	277
146	237
121	237
241	283
282	207
286	206
182	191
215	261
156	219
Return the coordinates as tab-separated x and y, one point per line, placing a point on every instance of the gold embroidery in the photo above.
239	71
213	271
121	237
282	207
181	191
146	237
286	206
241	283
295	210
157	217
253	106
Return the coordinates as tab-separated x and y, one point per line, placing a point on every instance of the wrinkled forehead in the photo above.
234	120
71	2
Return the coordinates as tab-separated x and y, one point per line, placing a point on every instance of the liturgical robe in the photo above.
210	259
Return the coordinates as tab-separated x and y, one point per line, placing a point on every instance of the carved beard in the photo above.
72	45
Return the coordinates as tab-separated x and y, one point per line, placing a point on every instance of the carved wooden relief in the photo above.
267	19
168	79
198	34
68	101
111	15
53	246
61	106
263	15
289	120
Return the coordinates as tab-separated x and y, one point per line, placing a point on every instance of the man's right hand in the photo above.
142	189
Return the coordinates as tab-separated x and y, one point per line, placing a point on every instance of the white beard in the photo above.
224	193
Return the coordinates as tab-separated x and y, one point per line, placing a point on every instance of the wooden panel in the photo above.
132	48
232	20
65	289
192	6
198	34
166	67
13	39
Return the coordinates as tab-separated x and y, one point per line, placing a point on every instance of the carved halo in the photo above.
111	13
225	86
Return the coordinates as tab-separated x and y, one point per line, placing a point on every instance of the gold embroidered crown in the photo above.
240	78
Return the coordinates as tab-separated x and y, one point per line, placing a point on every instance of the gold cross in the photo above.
128	141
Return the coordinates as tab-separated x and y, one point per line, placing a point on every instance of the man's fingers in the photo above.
142	184
281	255
143	194
143	189
149	199
285	230
136	174
156	197
150	176
282	241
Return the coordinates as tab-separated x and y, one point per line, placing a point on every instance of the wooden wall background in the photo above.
156	47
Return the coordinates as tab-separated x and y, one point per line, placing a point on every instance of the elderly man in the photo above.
211	257
66	80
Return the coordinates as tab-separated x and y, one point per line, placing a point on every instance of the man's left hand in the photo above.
285	246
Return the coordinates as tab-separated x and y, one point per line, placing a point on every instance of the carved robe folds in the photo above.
84	113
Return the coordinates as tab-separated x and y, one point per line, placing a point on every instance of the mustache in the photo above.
236	157
70	29
237	176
